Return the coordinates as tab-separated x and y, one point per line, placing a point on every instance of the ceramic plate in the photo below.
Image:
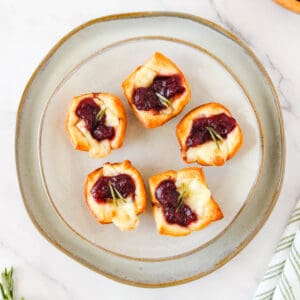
98	56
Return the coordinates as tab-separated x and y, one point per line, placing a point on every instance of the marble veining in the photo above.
30	28
224	21
281	80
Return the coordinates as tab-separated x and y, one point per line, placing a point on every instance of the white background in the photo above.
28	30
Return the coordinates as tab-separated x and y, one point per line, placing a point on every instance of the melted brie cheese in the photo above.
122	215
96	148
101	211
144	77
197	194
208	151
125	215
111	118
109	170
99	148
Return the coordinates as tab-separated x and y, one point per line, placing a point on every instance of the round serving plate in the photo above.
98	56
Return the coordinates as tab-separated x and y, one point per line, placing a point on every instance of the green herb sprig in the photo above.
182	195
164	101
7	284
116	195
216	137
100	114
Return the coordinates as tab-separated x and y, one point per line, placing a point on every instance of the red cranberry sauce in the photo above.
222	124
123	183
167	86
87	110
167	195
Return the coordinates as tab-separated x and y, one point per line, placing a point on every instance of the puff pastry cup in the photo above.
156	91
96	123
209	135
182	202
115	193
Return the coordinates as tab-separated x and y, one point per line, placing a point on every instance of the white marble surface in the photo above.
28	30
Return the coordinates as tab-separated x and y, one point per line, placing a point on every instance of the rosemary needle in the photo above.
112	191
116	195
164	101
100	114
216	137
120	197
180	199
7	284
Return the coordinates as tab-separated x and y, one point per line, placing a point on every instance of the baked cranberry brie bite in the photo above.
209	135
182	202
156	91
96	123
115	193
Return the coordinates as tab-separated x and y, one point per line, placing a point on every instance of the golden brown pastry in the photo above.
96	123
156	91
293	5
115	193
209	135
182	202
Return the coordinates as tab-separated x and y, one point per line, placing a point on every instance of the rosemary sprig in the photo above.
164	101
116	195
100	114
112	191
7	284
216	137
182	194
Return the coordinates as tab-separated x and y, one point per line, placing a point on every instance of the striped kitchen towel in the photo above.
282	278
